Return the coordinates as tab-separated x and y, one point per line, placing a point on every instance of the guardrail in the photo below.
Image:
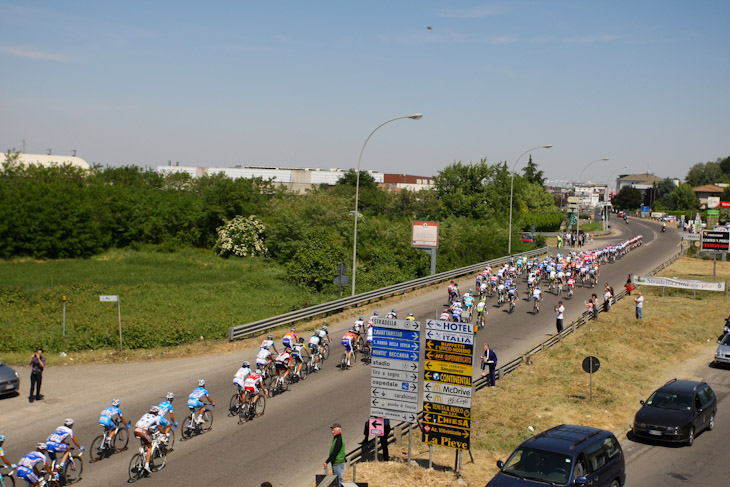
241	331
400	428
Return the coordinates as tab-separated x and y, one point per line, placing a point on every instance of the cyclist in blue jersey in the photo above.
194	400
166	407
57	441
456	314
2	454
31	466
110	417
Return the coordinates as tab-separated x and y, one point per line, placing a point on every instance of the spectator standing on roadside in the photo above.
337	453
37	364
606	299
594	299
629	285
589	307
489	359
639	300
559	310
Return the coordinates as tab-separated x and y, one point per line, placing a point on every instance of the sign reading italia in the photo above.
447	386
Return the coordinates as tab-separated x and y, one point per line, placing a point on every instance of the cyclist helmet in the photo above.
41	447
446	310
246	364
362	318
375	313
201	382
270	336
410	314
170	396
292	329
154	409
301	340
324	327
116	402
68	422
288	349
393	310
258	371
2	438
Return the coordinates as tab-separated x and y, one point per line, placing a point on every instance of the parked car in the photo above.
677	412
722	354
564	455
527	238
9	379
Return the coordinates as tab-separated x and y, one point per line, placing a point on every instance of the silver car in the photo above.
9	380
722	354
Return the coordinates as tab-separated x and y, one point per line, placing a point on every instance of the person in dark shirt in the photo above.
38	364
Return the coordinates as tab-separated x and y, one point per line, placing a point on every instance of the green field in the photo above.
166	299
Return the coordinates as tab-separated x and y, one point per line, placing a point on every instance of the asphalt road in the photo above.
705	463
289	443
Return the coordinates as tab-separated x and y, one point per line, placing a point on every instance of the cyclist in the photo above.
445	316
456	314
297	353
283	363
263	358
571	285
2	454
452	290
110	417
468	302
481	310
268	344
166	407
392	315
513	294
144	428
33	464
375	315
240	378
314	344
254	385
410	317
536	297
194	400
57	441
291	338
349	341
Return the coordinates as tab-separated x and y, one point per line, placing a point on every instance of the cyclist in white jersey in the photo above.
537	297
144	428
263	358
240	378
268	344
314	344
392	315
57	441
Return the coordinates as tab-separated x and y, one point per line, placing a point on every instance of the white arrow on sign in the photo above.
393	415
397	324
394	384
404	406
386	363
393	374
381	393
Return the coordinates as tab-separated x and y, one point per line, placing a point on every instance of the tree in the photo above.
315	263
726	194
350	179
683	198
725	165
628	198
705	173
476	190
532	174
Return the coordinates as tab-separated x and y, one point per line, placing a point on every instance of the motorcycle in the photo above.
664	229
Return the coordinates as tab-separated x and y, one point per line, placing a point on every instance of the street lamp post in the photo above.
511	190
580	178
414	116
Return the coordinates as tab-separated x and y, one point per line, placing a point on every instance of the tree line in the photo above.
65	212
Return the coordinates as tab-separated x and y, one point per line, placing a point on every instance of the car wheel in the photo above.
711	424
691	438
615	483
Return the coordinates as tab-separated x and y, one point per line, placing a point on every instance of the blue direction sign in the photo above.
395	354
397	334
393	344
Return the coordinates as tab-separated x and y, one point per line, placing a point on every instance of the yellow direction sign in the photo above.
449	347
459	380
447	420
443	409
448	357
447	368
445	436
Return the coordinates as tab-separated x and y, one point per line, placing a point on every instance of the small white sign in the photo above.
679	283
104	298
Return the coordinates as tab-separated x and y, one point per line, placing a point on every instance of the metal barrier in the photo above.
482	382
241	331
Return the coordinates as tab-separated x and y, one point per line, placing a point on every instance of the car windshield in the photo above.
725	340
539	465
670	400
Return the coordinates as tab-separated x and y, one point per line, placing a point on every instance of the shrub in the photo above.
241	236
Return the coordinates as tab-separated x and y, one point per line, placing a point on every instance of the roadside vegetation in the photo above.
636	357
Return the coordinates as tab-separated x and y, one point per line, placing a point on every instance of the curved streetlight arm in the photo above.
511	190
414	116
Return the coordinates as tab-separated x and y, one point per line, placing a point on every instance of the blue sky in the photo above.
297	83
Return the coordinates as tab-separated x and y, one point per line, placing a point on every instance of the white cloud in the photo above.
33	54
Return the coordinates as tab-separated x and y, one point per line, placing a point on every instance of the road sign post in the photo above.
590	365
447	384
115	299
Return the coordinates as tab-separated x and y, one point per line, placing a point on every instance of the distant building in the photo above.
407	181
640	181
591	194
296	179
51	160
708	190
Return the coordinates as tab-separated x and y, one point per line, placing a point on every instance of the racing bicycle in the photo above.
192	426
104	445
71	472
353	361
158	460
6	478
249	410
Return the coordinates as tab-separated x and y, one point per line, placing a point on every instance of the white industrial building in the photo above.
46	160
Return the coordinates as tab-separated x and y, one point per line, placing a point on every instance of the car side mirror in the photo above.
641	401
500	463
718	341
581	481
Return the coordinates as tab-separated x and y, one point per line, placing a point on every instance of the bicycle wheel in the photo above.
234	405
260	406
244	412
73	469
343	362
207	421
136	467
188	429
97	450
121	440
326	351
269	376
304	372
7	480
159	459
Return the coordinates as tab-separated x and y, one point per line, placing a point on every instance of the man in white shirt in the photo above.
639	300
559	310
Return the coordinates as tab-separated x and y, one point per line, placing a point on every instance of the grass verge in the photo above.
636	356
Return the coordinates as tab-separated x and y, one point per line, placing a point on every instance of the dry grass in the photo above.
636	356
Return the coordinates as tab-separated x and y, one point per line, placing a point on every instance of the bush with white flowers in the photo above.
241	236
